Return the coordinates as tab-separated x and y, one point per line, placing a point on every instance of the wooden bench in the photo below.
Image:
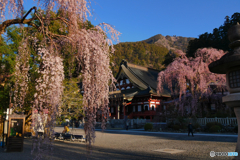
57	135
71	137
79	138
67	137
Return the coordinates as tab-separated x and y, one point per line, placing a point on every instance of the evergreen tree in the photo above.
217	39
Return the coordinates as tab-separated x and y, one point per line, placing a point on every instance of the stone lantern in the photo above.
229	64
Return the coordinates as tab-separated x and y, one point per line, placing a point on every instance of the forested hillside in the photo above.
217	39
141	53
156	52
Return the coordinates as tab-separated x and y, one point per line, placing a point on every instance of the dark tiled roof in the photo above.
147	91
142	77
149	77
128	93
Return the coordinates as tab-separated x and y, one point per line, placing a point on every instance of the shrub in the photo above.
197	125
170	125
183	127
210	124
181	120
148	126
176	127
235	129
215	128
222	114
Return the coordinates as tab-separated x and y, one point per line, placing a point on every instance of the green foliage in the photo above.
72	99
217	39
7	63
169	58
70	64
4	98
140	53
181	120
170	125
196	125
148	126
215	128
235	129
211	124
220	114
14	37
176	127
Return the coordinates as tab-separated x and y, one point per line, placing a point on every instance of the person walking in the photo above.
127	123
190	129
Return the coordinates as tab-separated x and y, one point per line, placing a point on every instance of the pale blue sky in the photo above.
141	19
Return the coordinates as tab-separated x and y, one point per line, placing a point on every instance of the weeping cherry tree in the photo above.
90	46
190	78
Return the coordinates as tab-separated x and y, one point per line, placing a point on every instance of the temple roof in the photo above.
128	93
145	79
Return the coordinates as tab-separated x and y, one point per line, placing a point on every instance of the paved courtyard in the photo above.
121	144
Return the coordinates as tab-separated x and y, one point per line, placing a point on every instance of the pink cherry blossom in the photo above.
191	78
92	48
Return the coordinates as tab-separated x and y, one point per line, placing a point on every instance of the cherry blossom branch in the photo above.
57	18
10	22
63	36
24	17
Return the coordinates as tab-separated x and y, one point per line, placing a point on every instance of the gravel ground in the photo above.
133	145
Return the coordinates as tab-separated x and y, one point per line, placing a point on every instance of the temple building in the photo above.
136	95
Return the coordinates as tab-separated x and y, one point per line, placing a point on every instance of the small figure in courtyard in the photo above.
190	129
127	123
66	130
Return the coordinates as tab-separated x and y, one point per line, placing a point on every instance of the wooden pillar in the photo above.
117	113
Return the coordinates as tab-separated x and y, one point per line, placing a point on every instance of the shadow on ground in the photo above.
79	151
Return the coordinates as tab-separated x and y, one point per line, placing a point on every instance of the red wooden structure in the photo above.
136	95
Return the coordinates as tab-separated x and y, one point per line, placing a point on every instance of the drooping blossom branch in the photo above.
21	75
48	95
97	75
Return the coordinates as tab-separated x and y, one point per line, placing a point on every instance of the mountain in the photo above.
156	52
170	42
